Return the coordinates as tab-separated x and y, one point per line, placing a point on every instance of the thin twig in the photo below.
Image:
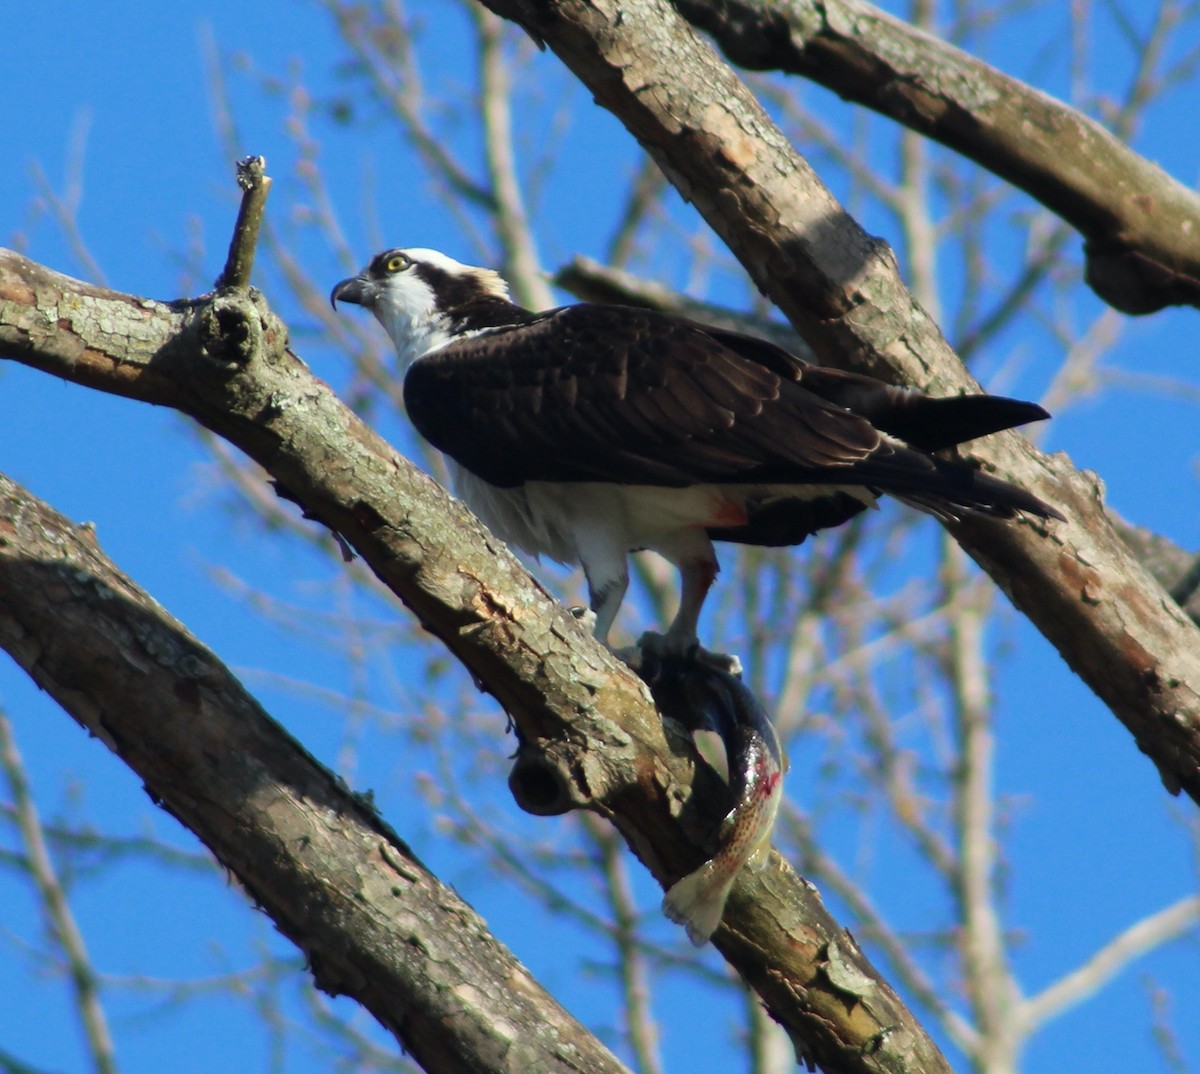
640	1025
988	980
1142	936
56	907
521	266
256	185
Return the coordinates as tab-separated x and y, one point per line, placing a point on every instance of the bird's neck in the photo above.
416	336
487	311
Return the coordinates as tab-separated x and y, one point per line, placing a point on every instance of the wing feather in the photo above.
608	393
596	393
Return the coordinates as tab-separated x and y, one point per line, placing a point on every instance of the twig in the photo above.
1113	957
988	978
396	81
256	185
65	206
645	194
520	260
640	1026
57	909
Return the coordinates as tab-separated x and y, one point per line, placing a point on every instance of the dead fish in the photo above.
703	698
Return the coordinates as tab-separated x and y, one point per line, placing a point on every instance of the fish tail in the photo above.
698	901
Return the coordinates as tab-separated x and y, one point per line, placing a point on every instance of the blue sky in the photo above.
121	89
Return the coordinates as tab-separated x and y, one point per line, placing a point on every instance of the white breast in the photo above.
586	521
537	531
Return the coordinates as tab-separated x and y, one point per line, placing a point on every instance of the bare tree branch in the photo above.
337	881
1140	225
60	919
256	185
988	979
640	1028
1113	957
384	49
1077	582
520	266
65	206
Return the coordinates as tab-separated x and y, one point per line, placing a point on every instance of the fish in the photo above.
705	698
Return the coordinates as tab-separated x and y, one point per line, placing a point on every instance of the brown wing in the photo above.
606	393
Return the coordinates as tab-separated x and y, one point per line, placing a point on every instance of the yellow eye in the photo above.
397	263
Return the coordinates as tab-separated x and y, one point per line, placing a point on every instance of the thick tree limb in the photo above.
1140	225
841	288
590	738
337	881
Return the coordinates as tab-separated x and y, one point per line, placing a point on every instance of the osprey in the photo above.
590	431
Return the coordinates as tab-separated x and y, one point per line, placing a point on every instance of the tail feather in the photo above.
923	421
961	489
948	489
934	424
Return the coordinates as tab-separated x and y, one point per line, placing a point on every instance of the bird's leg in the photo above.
605	599
681	641
696	578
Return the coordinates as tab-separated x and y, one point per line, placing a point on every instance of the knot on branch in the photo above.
544	782
1136	284
230	332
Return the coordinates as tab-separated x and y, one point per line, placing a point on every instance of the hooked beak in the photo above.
357	290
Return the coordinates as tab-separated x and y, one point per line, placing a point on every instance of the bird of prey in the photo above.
587	432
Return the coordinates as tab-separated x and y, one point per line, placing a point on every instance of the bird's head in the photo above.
421	297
